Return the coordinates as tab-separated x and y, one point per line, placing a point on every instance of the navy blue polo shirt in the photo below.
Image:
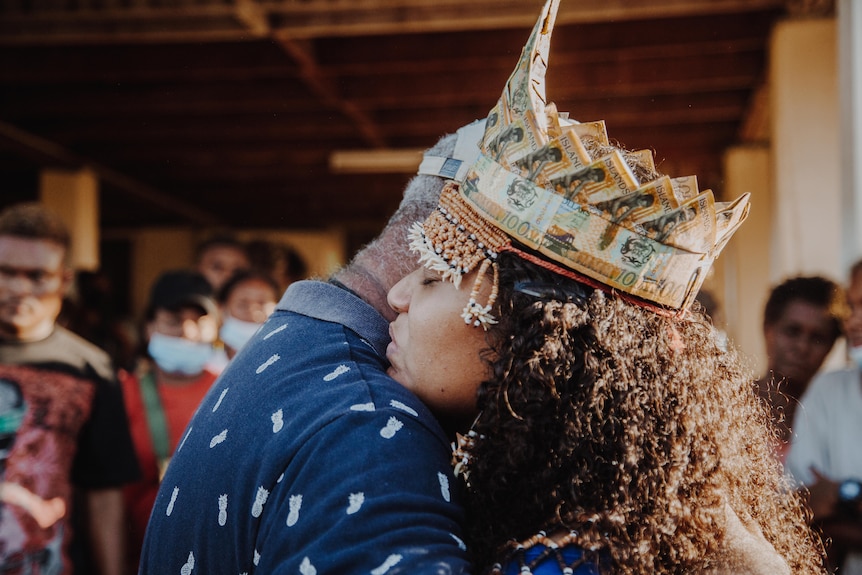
306	458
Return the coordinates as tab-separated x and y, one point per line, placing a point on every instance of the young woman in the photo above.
611	434
623	435
246	300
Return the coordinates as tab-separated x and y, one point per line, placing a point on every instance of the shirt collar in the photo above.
328	302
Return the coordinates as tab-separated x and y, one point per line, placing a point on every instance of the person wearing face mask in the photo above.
246	300
824	454
164	392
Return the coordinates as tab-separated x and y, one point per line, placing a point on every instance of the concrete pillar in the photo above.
850	82
155	251
74	197
742	263
807	232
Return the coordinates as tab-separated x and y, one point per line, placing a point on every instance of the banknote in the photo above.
684	188
645	203
520	122
646	158
510	200
595	130
728	217
562	155
691	226
651	200
512	135
525	88
632	261
601	180
495	122
555	129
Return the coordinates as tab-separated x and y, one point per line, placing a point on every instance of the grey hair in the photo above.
389	250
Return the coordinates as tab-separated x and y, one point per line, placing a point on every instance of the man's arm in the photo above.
107	529
840	524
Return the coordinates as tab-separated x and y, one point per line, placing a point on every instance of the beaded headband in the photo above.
534	190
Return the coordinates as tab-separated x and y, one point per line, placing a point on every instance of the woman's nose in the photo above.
398	297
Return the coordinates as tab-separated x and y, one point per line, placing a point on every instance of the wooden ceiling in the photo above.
228	112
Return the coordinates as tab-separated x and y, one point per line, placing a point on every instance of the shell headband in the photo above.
533	185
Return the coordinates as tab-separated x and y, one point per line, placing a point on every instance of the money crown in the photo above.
534	184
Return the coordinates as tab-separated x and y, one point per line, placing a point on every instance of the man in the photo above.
305	457
825	455
63	421
801	322
220	257
163	394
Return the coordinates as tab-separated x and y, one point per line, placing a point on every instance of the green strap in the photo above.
155	418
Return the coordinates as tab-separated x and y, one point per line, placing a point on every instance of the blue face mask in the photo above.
235	333
179	355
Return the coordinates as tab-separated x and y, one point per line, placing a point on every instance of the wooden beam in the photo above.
323	85
324	18
240	20
53	153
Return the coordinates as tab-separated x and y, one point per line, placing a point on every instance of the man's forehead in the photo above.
30	253
184	312
800	311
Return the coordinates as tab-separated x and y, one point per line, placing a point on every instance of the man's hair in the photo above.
420	199
33	221
266	255
814	290
243	276
220	240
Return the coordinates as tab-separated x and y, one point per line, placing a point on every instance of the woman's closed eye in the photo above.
429	278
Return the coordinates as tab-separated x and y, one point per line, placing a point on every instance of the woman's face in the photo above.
253	300
433	352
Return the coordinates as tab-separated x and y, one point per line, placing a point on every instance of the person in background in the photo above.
165	390
295	268
801	322
281	261
220	257
306	457
825	455
245	300
94	315
66	446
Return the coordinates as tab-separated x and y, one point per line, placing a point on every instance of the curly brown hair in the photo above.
631	428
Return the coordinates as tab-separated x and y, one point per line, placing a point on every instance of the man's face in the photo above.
853	325
33	279
798	343
219	263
